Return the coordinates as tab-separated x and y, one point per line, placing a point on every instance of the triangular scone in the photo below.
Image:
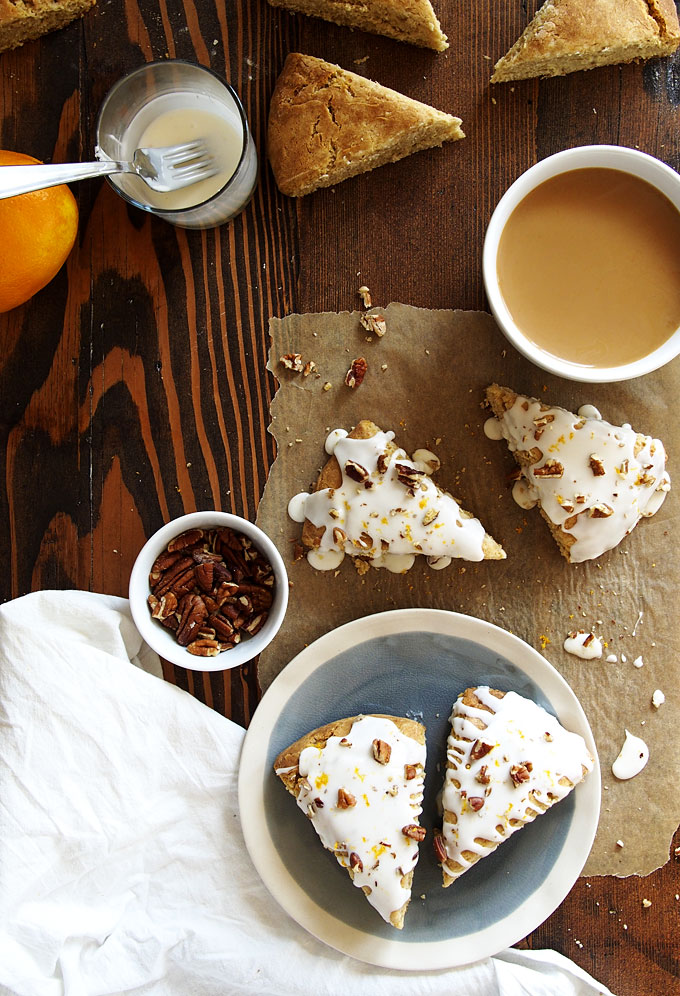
508	761
327	124
412	21
569	35
592	481
373	502
360	782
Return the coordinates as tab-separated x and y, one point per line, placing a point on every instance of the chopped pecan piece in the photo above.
409	771
475	802
479	749
600	511
596	465
414	831
520	773
430	516
374	323
345	799
439	847
409	476
482	775
365	295
356	373
382	751
356	472
550	469
339	536
542	420
356	862
292	361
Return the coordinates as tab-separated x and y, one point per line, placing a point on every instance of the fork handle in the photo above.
22	179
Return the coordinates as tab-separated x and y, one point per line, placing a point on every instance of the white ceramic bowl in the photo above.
163	640
617	157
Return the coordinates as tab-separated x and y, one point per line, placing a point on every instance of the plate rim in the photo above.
394	953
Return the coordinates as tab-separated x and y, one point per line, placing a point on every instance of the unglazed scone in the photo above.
371	501
327	124
24	20
412	21
507	761
569	35
592	481
360	782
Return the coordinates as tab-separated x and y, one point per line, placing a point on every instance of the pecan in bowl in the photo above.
208	591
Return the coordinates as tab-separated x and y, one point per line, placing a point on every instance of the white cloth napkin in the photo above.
122	864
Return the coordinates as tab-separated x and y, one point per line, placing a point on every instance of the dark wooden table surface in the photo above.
133	388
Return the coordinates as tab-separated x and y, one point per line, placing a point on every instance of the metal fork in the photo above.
162	169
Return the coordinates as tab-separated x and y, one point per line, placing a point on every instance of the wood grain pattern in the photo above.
133	388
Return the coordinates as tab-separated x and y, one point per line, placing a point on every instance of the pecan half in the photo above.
192	615
189	538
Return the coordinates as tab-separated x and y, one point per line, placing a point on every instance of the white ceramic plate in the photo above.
412	662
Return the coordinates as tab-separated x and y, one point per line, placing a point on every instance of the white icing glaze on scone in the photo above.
367	835
386	506
593	480
503	774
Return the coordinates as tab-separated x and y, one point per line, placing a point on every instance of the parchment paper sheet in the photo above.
437	366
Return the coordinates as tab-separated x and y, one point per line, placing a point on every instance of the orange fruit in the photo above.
37	232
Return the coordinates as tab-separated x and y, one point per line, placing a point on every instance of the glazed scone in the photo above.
566	36
507	761
24	20
327	124
371	501
592	481
360	782
412	21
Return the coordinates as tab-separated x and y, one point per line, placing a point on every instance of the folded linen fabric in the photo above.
122	864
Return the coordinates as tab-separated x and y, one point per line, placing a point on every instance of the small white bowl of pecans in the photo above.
208	591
